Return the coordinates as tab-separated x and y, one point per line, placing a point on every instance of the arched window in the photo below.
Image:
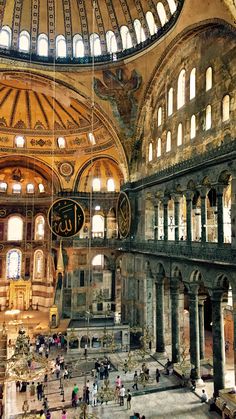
60	46
15	228
208	117
30	188
225	108
16	188
126	37
111	42
170	101
98	226
181	89
39	228
14	258
172	6
209	78
192	92
98	260
150	151
3	186
168	142
78	46
159	116
24	41
140	34
151	23
41	188
162	13
19	141
95	45
61	142
43	45
38	264
180	135
96	184
193	127
110	185
5	37
91	138
159	147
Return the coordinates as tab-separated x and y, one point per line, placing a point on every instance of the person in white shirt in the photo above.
94	394
204	397
122	395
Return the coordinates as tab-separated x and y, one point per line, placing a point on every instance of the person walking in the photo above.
135	385
158	375
39	389
122	395
128	399
64	414
48	415
204	397
94	395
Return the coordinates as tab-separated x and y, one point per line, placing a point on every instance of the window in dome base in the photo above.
24	41
41	188
16	188
111	42
61	142
5	37
19	141
3	186
91	138
30	188
42	45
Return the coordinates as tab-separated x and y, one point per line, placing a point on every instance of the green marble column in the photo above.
160	340
189	219
218	341
203	216
220	218
194	330
156	221
201	300
175	338
165	212
177	200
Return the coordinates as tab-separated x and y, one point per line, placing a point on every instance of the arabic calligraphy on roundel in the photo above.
65	219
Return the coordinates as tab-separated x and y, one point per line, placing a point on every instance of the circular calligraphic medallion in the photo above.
65	217
66	169
123	215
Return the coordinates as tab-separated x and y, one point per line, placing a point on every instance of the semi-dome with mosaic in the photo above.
76	31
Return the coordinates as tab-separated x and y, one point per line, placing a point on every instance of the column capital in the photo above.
217	294
176	197
174	284
193	289
159	279
189	195
165	199
220	189
203	190
201	299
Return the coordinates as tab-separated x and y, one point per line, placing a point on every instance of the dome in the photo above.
76	30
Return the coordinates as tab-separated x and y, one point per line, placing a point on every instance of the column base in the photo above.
159	355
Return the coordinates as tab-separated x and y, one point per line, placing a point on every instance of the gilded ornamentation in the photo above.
123	215
119	90
65	217
41	142
3	212
66	169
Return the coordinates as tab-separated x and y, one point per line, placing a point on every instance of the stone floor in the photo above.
164	400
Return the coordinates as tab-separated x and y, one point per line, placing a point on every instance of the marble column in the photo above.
175	338
156	221
233	206
194	330
105	225
234	345
220	218
201	300
160	340
218	341
177	201
203	214
165	212
189	202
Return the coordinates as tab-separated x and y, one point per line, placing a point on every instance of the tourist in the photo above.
66	373
135	385
117	395
128	400
125	366
32	389
204	397
23	387
87	393
122	395
17	385
48	415
118	381
41	414
74	398
39	389
64	414
94	395
61	362
102	371
45	404
158	375
97	365
57	371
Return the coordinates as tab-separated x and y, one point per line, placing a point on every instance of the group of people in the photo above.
102	368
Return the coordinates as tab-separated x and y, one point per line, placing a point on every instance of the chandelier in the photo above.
25	365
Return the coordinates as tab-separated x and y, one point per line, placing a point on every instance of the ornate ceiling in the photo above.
82	17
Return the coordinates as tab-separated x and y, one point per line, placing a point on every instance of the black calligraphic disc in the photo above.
65	217
123	215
